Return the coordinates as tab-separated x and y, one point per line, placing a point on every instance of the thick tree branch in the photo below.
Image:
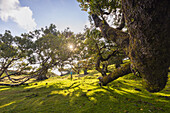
100	58
110	55
21	83
9	77
119	72
117	36
4	68
98	66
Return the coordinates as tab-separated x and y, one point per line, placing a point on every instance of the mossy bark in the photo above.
149	46
119	72
119	37
148	41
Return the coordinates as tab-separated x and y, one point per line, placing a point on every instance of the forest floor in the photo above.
84	95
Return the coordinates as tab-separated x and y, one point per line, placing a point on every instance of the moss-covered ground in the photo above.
84	95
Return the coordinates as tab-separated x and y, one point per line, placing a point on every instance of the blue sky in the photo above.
21	16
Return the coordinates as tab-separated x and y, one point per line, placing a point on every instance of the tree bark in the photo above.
42	75
119	72
85	71
119	37
147	44
105	67
98	67
149	48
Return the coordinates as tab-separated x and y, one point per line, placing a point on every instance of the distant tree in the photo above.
50	49
15	53
82	55
8	52
147	41
70	54
35	53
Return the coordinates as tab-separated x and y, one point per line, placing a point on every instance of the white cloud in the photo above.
21	15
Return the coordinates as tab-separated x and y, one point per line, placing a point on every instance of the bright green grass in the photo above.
83	95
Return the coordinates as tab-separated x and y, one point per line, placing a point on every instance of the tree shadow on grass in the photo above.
82	97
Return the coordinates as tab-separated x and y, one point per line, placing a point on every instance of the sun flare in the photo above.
71	47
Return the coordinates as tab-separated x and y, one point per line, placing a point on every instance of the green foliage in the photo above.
6	46
99	6
104	9
39	51
9	52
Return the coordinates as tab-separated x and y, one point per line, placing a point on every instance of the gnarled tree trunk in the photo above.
42	75
149	48
148	41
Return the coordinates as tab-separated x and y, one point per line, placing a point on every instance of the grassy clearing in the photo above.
84	95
